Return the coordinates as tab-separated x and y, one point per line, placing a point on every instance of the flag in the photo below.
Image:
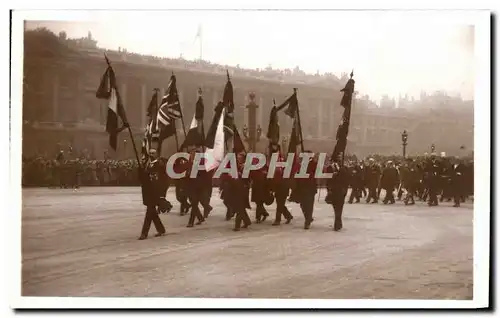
294	138
195	135
199	33
214	142
292	106
212	129
153	105
273	130
107	90
228	102
343	129
238	145
169	111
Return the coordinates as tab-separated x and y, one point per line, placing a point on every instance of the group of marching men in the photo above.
423	180
193	193
448	178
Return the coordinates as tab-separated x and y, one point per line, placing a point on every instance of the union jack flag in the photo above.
170	108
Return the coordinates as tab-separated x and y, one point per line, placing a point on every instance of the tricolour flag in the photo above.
214	142
196	134
108	90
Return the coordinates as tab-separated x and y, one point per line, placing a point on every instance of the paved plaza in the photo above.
84	243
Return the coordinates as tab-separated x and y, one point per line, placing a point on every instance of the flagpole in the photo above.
126	123
300	124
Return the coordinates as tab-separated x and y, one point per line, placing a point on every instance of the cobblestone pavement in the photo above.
84	243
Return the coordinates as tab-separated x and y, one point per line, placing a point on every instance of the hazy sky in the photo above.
391	53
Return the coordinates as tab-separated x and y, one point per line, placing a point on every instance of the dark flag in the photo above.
273	130
293	105
228	102
238	145
169	111
293	112
294	138
343	128
195	135
107	90
153	106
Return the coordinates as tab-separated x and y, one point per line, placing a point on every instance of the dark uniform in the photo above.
306	191
237	197
261	193
433	172
457	183
195	189
154	184
372	177
356	183
281	189
337	191
388	182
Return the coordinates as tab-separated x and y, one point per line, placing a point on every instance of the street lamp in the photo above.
433	148
404	138
125	148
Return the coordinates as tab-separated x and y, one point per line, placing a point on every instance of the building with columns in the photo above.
60	108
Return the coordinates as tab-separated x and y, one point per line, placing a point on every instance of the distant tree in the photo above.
44	43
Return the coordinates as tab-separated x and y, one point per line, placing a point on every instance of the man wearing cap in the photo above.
372	180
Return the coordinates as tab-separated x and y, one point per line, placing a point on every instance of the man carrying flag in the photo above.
153	176
339	183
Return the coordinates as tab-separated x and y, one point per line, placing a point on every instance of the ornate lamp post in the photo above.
433	148
404	138
252	133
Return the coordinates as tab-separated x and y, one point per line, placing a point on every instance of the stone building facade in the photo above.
60	108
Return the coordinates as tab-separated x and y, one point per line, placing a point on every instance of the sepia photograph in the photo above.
279	158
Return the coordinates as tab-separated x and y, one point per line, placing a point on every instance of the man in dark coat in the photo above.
306	191
195	189
433	171
356	182
337	191
154	182
372	177
237	195
261	193
389	181
458	186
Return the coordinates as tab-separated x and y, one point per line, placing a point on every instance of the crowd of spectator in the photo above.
40	171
